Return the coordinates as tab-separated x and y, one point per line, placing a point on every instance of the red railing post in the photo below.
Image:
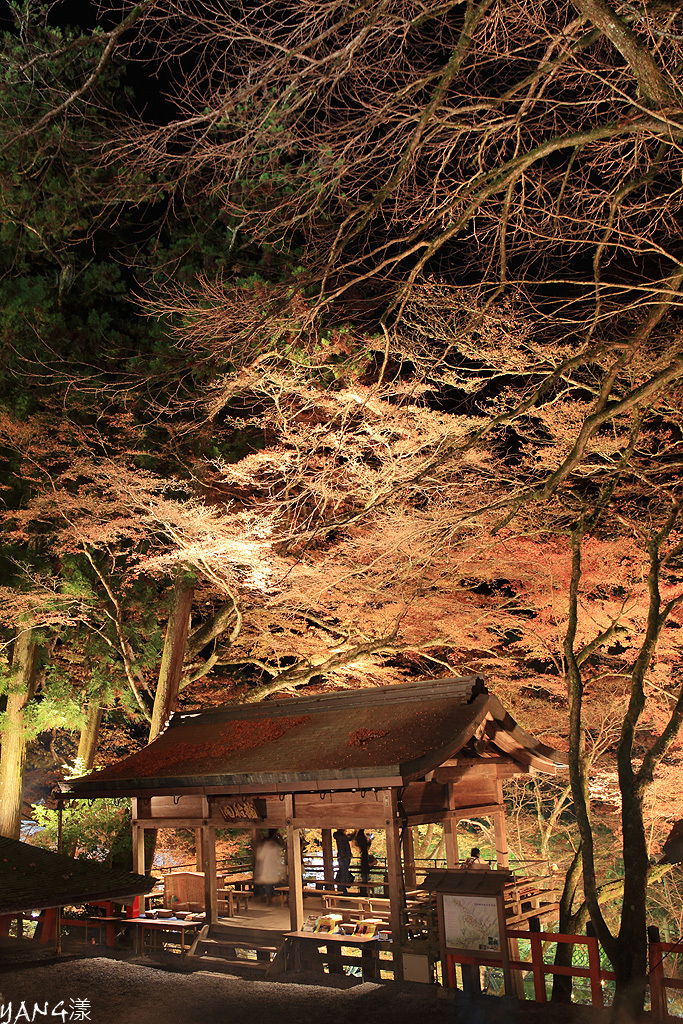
537	961
597	998
450	971
657	986
49	925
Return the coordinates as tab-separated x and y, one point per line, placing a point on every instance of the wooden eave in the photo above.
453	714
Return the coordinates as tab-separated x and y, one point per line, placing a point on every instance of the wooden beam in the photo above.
190	823
477	811
428	819
485	769
198	854
395	879
344	820
296	893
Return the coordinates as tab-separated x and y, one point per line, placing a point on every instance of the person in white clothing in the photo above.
269	866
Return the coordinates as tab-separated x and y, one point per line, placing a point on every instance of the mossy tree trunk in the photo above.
173	656
22	686
90	734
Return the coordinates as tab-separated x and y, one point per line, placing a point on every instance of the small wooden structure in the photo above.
35	879
387	758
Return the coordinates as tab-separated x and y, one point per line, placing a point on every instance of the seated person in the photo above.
475	859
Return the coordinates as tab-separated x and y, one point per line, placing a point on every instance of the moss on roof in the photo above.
32	878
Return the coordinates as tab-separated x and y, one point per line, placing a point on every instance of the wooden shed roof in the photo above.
32	878
385	736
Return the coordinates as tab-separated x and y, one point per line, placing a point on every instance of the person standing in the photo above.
343	876
269	865
363	843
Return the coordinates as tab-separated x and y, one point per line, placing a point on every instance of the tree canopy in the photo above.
344	345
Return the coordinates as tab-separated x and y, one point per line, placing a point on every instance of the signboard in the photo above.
234	809
471	912
471	922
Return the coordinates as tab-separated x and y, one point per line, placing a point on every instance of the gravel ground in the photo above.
119	992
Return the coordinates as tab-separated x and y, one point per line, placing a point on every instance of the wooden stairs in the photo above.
244	952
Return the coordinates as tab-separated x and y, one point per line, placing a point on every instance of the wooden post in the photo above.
658	1000
328	856
499	830
296	893
139	849
594	966
48	920
208	845
409	858
395	878
537	961
450	832
198	851
450	835
516	977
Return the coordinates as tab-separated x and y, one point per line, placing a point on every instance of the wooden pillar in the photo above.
208	846
328	855
139	849
450	835
450	832
499	829
395	878
198	851
409	858
296	893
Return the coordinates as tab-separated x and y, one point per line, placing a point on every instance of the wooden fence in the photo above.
659	982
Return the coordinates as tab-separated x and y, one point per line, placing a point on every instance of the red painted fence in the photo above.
658	981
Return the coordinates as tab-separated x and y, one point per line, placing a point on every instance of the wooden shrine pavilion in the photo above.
386	758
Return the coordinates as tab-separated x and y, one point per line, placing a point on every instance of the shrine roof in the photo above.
32	878
380	736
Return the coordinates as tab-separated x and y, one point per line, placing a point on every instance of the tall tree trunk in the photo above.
569	924
172	658
630	957
90	734
22	686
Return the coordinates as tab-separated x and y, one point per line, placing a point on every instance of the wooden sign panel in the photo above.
238	810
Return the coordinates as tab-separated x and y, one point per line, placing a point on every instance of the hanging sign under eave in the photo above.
239	809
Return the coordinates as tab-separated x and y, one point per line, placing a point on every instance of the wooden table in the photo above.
332	943
163	924
235	899
241	880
